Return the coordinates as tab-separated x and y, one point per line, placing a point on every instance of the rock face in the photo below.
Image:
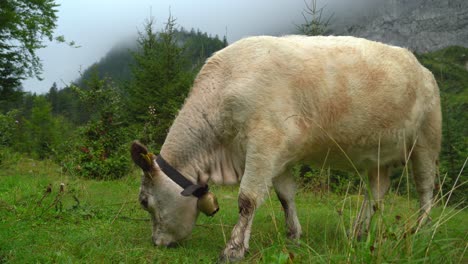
419	25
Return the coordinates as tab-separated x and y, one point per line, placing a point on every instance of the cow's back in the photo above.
324	94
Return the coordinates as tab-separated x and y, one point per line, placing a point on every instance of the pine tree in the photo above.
315	24
41	129
225	42
160	80
52	97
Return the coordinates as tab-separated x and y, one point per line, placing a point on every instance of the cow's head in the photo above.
173	215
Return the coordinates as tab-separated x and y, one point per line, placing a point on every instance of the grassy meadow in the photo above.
89	221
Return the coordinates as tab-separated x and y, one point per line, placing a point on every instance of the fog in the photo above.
96	26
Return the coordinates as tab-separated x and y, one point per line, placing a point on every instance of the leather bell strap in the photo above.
189	188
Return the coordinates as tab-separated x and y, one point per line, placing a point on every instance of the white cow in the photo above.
265	103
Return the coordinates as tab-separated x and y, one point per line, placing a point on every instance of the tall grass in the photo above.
100	221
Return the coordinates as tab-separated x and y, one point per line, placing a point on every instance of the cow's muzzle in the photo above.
160	242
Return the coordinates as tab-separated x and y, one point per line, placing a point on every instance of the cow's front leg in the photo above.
263	162
239	242
256	182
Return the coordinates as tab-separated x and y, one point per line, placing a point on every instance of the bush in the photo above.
100	151
7	128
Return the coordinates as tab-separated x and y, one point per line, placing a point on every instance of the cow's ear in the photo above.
144	159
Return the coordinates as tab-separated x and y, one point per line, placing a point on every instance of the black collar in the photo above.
189	188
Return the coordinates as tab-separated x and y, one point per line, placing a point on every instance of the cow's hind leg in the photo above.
424	172
379	182
425	159
285	188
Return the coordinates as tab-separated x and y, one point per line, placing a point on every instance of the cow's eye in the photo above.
144	203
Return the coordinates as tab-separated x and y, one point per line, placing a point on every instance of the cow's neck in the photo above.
191	139
197	144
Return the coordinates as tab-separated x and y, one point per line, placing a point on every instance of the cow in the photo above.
263	104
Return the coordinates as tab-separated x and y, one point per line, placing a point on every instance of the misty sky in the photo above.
98	25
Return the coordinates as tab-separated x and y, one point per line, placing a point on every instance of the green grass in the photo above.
101	221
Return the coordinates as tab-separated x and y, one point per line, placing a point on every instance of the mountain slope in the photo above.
420	25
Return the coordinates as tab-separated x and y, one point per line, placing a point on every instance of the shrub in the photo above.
7	128
100	150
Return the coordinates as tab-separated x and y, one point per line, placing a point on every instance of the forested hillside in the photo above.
132	92
117	63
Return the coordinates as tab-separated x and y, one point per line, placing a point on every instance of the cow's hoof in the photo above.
294	239
231	254
356	235
293	236
421	224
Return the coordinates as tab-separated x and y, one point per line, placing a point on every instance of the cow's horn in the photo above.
149	157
